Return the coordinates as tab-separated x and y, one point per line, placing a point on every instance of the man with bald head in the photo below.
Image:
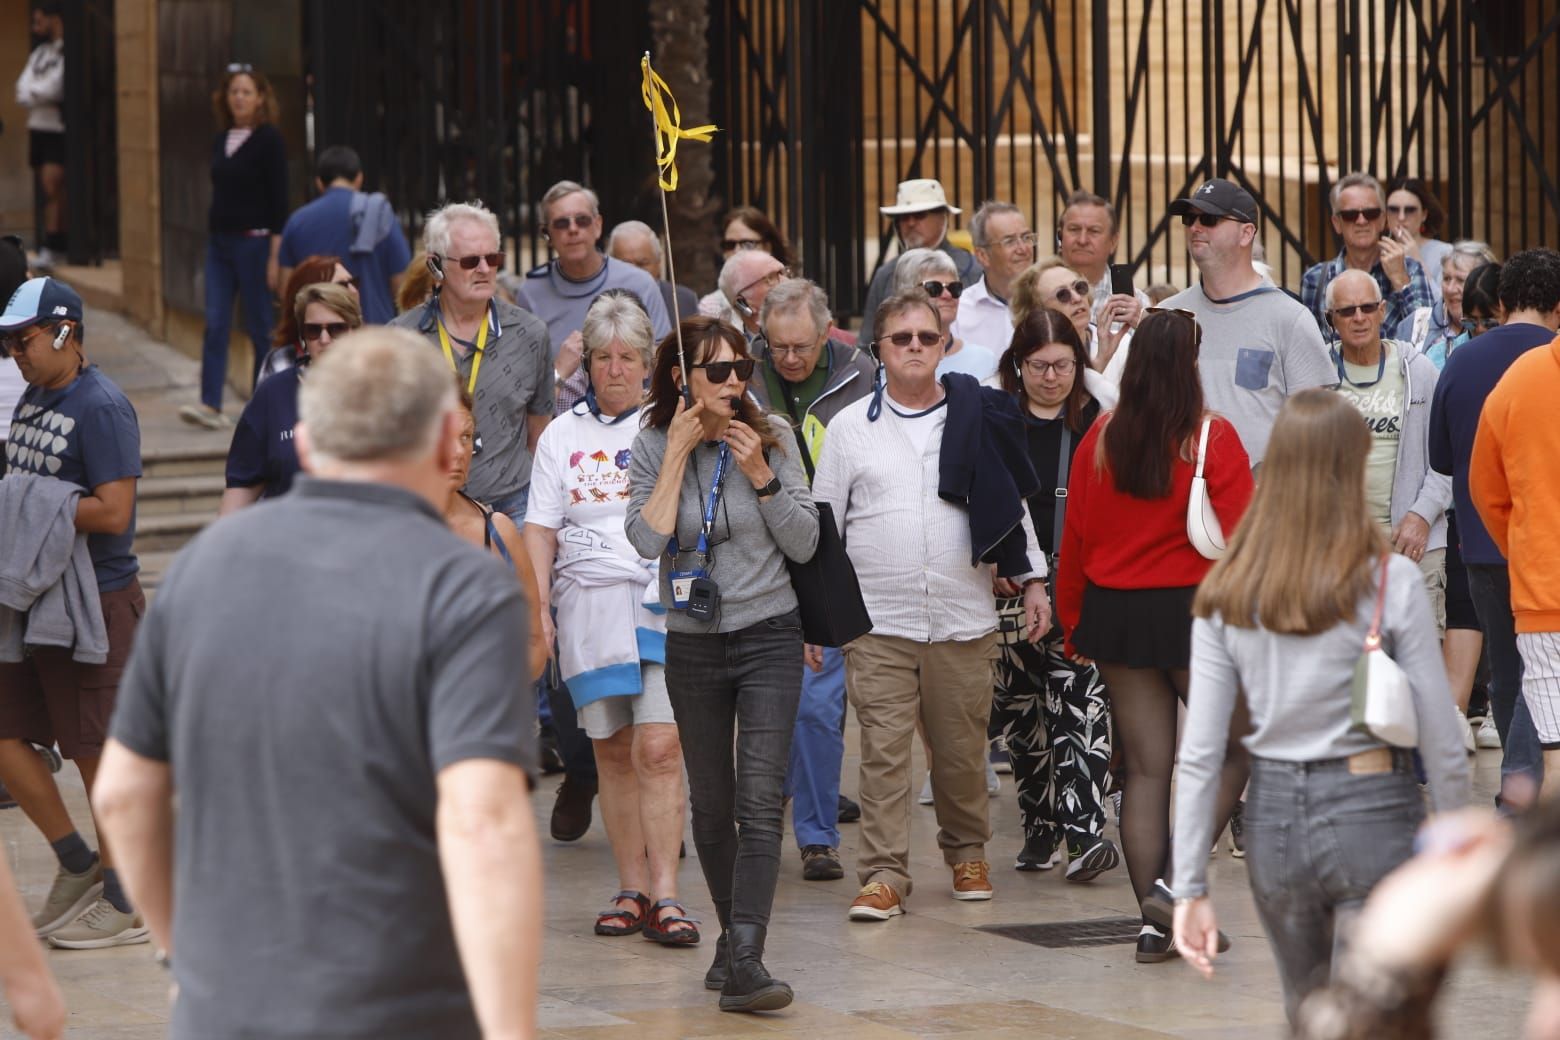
635	242
1392	386
745	280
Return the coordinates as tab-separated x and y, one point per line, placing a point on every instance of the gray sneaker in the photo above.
101	926
68	897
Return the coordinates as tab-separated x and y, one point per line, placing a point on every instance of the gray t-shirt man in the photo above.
1258	349
561	302
308	668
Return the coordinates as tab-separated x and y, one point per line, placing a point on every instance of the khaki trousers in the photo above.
892	682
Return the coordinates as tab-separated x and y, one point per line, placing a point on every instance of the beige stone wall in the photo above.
140	195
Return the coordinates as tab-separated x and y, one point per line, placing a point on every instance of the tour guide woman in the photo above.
715	495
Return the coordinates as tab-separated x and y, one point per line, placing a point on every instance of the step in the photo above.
180	461
199	493
168	532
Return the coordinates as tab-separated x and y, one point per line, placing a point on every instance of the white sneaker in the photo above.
1470	742
993	782
101	926
925	797
1488	736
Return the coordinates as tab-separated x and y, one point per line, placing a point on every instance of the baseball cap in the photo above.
1221	198
39	300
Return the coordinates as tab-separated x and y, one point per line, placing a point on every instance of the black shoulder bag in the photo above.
827	592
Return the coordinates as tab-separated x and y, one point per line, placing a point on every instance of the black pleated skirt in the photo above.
1138	628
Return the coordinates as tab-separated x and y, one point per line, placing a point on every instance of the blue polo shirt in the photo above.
324	227
263	453
1470	374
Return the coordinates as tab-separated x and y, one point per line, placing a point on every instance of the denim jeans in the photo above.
817	749
1490	587
1318	839
737	688
514	505
235	266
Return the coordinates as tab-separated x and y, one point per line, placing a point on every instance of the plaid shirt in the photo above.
1401	304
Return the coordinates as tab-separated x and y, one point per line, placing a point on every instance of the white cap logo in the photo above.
61	309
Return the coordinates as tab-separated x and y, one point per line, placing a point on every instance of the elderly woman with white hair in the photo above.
610	628
933	271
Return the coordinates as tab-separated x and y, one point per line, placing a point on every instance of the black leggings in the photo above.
1144	704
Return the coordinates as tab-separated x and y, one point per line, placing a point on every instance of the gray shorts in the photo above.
602	718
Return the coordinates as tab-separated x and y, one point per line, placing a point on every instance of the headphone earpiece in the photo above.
61	337
436	268
742	307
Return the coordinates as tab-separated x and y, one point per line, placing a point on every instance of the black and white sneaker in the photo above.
1038	853
1154	946
1093	861
1159	910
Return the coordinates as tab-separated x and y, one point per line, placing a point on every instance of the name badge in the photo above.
682	587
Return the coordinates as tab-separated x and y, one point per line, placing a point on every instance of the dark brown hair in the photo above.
1161	405
268	112
310	270
702	337
1040	328
1430	212
759	222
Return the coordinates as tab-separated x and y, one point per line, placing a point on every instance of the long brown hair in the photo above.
1161	405
1305	553
702	337
268	112
1040	328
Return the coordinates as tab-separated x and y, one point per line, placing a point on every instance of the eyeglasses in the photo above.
936	289
731	245
469	263
1402	211
312	331
1363	308
904	339
1480	324
1079	289
720	371
239	66
1354	216
16	343
1062	368
800	350
579	220
1205	219
772	279
1027	238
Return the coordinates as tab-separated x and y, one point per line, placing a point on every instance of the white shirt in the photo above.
12	386
911	549
1118	361
579	483
983	320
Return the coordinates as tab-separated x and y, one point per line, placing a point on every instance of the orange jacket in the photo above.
1514	478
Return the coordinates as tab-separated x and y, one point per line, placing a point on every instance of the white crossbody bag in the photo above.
1382	700
1202	523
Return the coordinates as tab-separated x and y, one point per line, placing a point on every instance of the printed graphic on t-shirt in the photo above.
1381	403
39	438
597	477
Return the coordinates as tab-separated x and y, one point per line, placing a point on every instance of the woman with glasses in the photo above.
1051	283
263	460
244	230
718	495
289	348
744	228
1281	621
1052	711
1414	218
1127	575
934	272
1438	329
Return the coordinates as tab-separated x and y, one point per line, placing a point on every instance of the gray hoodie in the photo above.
48	588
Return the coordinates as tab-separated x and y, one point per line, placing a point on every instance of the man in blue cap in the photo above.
72	424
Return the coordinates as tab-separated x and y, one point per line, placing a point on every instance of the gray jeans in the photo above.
1318	838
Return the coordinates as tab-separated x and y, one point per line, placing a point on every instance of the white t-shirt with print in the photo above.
580	479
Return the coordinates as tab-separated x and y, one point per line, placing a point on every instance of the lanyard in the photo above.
1381	370
476	365
711	504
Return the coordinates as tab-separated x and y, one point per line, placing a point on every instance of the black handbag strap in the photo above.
1063	464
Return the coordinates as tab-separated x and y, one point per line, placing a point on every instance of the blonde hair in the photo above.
337	297
1305	553
1024	296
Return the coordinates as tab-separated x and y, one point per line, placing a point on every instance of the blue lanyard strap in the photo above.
711	504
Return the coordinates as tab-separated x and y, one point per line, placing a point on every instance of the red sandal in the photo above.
617	921
656	930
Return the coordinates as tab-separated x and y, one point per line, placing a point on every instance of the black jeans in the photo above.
737	688
1490	587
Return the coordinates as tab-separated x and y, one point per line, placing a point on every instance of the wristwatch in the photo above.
771	488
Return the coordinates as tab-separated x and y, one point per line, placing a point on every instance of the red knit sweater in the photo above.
1117	541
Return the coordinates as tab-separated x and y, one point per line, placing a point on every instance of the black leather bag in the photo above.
833	612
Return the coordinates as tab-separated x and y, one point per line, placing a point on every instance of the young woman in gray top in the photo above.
1283	618
716	495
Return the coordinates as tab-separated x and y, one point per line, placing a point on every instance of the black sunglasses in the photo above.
1363	308
1205	219
469	263
580	220
347	283
935	289
731	245
903	339
312	330
720	371
1352	216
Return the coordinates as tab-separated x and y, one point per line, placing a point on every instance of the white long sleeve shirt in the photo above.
911	549
41	87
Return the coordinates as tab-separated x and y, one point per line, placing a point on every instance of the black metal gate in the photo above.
829	103
92	156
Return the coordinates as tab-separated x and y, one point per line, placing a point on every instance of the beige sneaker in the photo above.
876	902
972	880
68	897
200	415
101	926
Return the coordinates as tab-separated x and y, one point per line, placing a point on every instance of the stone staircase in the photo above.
178	494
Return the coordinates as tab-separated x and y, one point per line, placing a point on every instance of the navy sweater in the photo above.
249	187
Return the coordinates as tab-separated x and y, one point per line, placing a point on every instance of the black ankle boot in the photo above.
715	978
748	986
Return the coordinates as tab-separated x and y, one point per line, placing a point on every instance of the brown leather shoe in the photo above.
972	880
571	813
876	902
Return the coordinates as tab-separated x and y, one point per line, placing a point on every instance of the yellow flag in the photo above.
668	124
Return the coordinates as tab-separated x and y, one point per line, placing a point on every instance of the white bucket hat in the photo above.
918	196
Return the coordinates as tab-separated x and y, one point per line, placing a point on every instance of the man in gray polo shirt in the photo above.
1260	346
332	688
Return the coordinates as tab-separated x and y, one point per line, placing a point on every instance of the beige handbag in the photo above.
1202	523
1383	700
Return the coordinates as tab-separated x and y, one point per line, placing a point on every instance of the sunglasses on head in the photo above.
469	263
1353	216
312	331
936	289
1079	289
240	66
579	220
720	371
731	245
1205	219
1363	308
904	339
